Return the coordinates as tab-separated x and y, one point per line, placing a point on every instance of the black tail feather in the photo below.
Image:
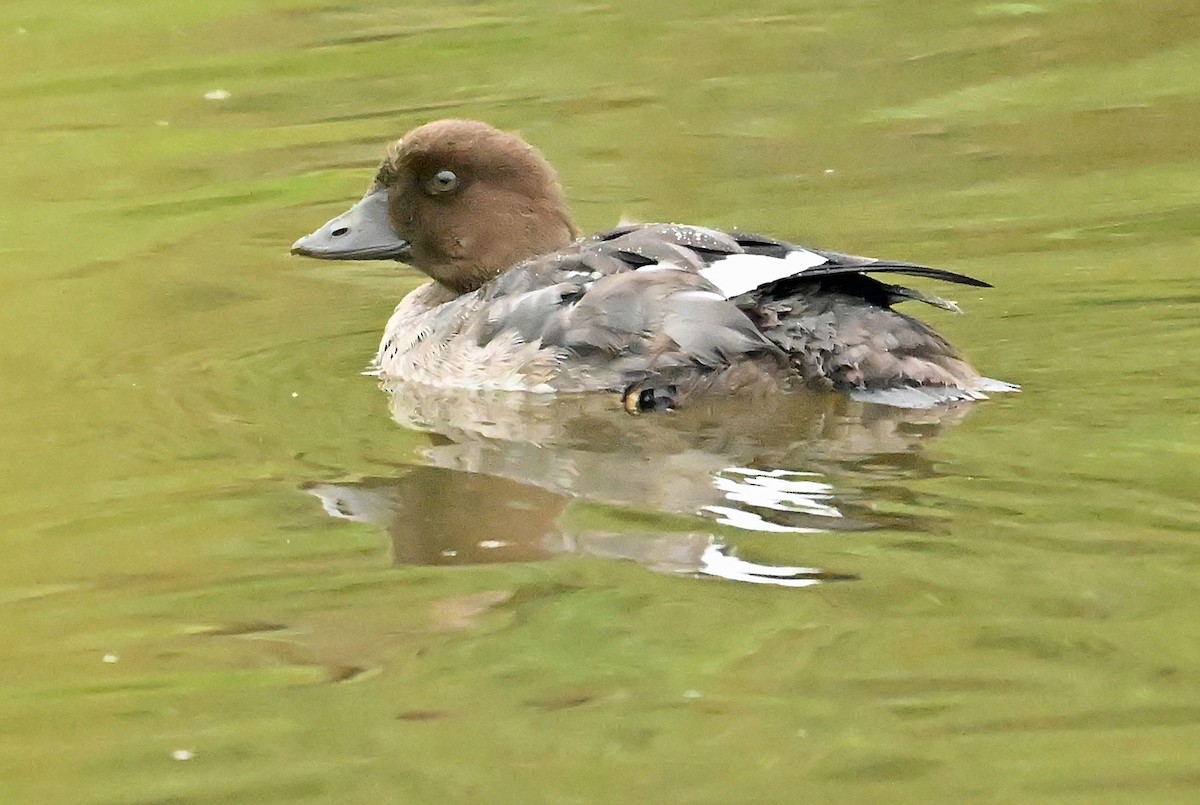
888	267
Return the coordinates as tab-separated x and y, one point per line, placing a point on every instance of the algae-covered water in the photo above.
236	570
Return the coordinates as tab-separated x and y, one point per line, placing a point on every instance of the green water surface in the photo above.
182	622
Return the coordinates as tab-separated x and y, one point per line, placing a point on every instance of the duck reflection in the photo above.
503	469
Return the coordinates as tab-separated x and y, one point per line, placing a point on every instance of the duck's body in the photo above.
655	312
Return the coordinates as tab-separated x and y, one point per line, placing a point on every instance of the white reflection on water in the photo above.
778	490
715	562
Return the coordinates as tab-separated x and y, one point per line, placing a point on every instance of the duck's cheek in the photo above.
432	256
439	247
457	246
406	227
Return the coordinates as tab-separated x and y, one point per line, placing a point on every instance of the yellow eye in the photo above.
442	182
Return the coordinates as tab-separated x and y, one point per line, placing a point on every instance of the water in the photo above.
519	611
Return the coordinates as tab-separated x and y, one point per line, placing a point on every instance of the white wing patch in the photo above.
739	273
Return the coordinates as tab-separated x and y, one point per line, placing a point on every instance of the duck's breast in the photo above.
460	344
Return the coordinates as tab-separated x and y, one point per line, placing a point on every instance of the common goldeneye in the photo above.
654	312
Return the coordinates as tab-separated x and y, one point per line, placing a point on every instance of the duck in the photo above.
658	314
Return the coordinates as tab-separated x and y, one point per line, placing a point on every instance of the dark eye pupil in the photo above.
445	178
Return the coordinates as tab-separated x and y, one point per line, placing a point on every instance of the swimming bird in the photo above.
657	313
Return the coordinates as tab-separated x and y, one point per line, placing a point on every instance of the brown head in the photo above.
459	200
